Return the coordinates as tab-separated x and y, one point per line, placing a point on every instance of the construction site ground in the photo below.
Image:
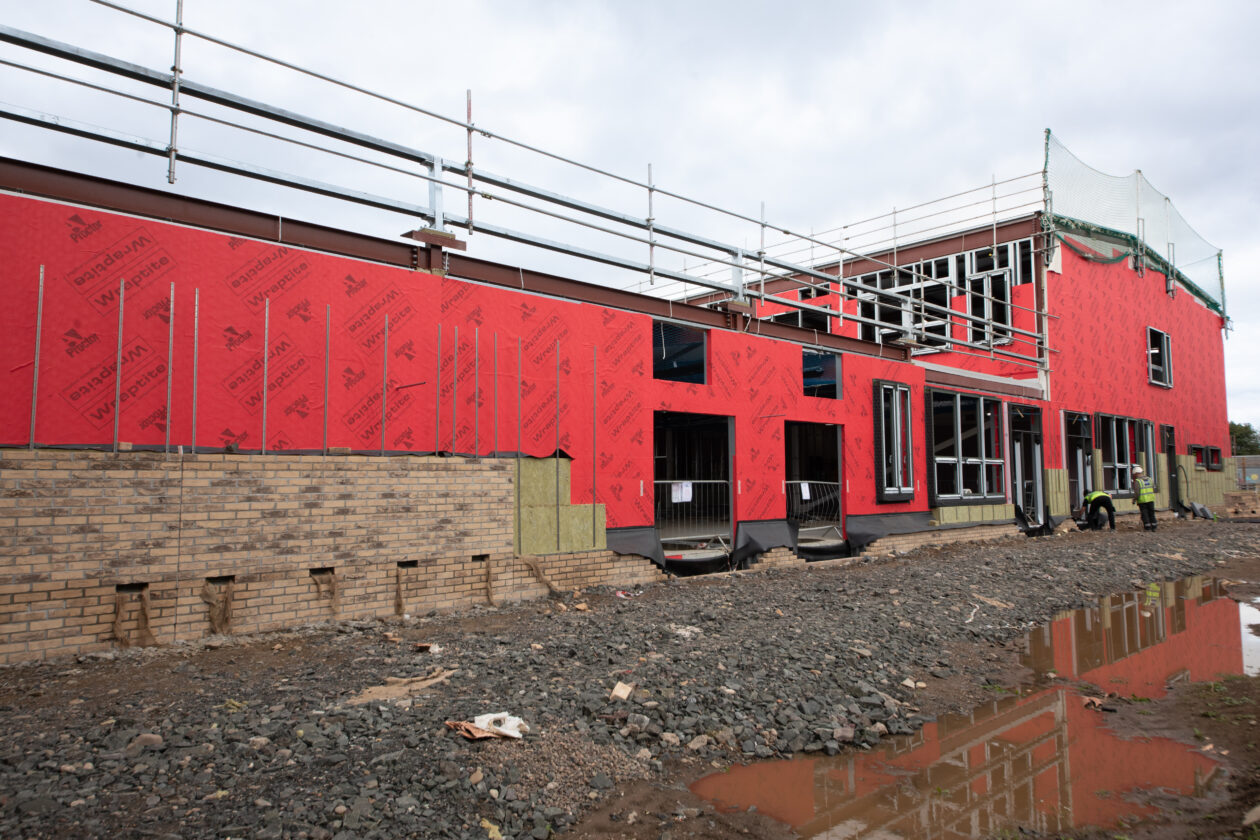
340	730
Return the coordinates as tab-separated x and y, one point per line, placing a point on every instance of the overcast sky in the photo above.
828	112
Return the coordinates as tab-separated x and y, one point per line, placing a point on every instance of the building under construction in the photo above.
219	419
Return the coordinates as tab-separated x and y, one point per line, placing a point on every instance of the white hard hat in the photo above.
1137	470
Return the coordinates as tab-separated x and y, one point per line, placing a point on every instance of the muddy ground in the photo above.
266	737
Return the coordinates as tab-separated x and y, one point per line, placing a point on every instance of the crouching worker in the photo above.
1091	511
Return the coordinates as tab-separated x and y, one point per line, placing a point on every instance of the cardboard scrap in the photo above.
396	688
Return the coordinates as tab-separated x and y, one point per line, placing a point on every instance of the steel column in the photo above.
39	332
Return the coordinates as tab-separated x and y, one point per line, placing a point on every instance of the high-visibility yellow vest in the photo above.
1145	489
1089	497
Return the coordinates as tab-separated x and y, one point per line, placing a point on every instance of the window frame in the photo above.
952	273
1199	453
899	465
1159	345
985	407
1146	455
1213	458
1129	436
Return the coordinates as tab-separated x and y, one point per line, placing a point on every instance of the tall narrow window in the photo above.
893	442
1159	357
989	299
1146	450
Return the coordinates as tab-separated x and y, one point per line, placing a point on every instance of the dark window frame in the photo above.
1159	347
1199	453
1214	460
901	465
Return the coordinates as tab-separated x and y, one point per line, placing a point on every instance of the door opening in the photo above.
814	481
692	481
1027	488
1079	452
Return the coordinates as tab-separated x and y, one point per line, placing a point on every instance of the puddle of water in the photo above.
1249	617
1039	760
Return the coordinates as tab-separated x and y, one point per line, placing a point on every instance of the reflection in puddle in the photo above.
1039	760
1249	617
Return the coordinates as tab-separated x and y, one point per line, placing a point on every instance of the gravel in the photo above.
257	736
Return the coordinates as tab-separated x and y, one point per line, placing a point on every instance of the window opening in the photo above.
896	477
678	353
1117	439
820	373
1199	453
1146	450
1214	458
986	275
1159	357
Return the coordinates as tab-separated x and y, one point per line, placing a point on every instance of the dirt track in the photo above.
259	737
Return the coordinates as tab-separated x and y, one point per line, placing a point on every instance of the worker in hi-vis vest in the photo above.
1145	487
1091	511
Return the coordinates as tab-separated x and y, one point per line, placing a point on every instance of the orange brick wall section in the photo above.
98	547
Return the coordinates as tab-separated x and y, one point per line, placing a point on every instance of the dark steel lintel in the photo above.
976	383
61	185
47	182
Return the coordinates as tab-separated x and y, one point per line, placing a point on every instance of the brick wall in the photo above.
906	542
144	547
777	557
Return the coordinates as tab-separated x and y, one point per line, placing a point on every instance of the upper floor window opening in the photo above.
1159	357
679	353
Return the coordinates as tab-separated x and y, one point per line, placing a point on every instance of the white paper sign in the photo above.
805	491
680	491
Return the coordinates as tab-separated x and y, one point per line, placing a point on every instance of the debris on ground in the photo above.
396	688
501	725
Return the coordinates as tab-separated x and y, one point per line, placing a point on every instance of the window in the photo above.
1146	450
678	353
1199	453
924	316
966	445
804	318
1117	441
1158	357
1214	458
893	447
985	275
820	373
